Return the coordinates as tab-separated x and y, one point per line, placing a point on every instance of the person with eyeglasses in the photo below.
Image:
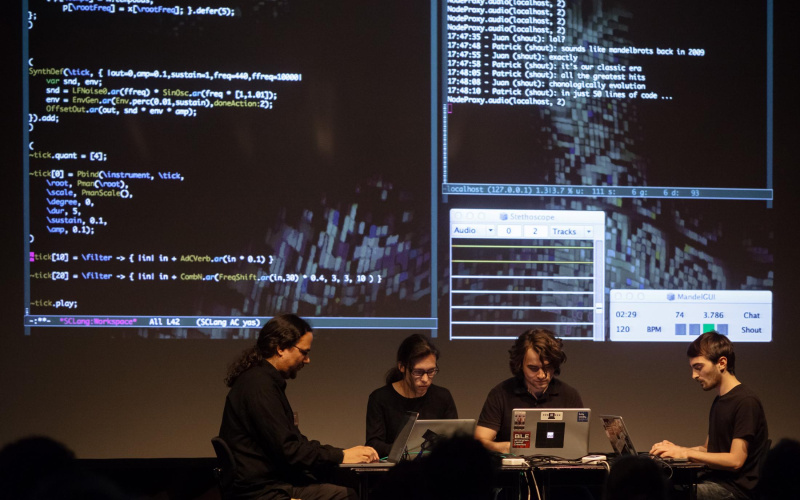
409	387
274	460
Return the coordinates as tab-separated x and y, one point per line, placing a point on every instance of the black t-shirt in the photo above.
386	409
738	414
513	393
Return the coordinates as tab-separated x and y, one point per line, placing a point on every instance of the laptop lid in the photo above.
399	446
618	434
398	449
621	440
557	432
426	432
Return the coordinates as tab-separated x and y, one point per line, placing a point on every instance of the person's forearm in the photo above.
499	447
726	461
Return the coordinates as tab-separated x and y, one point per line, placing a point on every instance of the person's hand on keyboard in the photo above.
360	455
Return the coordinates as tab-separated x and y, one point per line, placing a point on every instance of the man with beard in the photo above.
737	430
273	459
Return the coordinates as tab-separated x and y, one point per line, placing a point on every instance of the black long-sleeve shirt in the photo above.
270	452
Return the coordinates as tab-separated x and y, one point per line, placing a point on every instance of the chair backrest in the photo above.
226	465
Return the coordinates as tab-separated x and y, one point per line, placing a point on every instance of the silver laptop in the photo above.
555	432
398	450
618	434
426	433
620	438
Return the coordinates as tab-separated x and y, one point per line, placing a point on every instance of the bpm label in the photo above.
681	315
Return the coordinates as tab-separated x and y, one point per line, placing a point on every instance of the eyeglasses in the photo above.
419	373
304	352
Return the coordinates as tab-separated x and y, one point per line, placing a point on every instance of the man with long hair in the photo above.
409	387
535	359
274	461
737	428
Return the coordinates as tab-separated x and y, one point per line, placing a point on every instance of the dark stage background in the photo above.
128	394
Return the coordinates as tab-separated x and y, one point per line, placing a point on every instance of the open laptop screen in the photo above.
397	452
618	434
426	433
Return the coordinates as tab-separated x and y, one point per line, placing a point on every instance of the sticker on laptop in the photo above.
520	439
552	415
519	419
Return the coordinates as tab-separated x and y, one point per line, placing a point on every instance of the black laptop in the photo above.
398	450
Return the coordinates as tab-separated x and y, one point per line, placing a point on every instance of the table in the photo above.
539	479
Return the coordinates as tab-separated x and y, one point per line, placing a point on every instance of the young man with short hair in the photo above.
737	430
